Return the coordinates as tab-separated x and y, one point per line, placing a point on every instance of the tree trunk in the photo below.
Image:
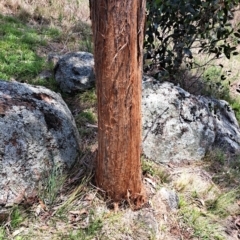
118	42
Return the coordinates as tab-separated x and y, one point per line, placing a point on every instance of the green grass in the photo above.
235	105
225	169
16	217
203	224
216	155
50	83
52	184
2	233
86	116
88	98
212	73
219	205
82	119
151	168
85	41
90	232
19	43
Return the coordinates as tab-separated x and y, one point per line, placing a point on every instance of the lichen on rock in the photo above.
37	133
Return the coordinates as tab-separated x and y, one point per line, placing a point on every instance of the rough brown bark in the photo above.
118	41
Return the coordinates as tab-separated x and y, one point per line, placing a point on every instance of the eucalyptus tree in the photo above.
118	33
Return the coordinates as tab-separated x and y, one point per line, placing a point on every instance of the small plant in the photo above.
77	193
77	235
202	224
16	217
88	98
86	45
219	205
86	116
48	83
147	167
94	226
213	83
212	73
2	233
183	182
182	202
216	155
151	168
195	194
51	185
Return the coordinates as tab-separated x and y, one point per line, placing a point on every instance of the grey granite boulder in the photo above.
75	71
179	126
37	134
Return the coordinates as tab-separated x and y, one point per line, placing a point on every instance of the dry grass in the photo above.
70	17
63	12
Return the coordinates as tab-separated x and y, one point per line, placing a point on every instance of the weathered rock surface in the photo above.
75	71
170	197
37	134
179	126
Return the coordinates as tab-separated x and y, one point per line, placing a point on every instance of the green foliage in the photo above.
88	98
212	73
216	156
214	86
149	167
235	105
52	183
16	217
219	206
49	83
204	227
2	233
86	116
85	37
175	27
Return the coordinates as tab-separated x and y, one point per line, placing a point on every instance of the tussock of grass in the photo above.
88	98
2	233
52	185
76	194
86	116
225	168
151	168
220	205
49	83
203	225
203	206
16	217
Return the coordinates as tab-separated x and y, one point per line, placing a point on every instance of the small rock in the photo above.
170	197
75	71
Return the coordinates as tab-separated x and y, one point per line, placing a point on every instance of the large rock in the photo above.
37	134
179	126
75	71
